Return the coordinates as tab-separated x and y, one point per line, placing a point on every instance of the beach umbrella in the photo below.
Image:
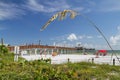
104	52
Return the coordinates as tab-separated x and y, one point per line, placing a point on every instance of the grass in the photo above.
42	70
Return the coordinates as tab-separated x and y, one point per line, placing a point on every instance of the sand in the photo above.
63	58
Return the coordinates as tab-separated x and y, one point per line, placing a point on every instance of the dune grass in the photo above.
43	70
40	70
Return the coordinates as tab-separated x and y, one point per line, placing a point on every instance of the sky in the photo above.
21	21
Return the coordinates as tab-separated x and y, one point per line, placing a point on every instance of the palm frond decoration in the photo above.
61	16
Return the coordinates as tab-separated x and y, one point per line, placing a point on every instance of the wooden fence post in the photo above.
92	60
113	62
68	60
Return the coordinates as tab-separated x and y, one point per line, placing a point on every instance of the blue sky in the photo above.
21	20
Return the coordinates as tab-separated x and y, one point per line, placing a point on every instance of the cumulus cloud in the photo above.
115	40
78	40
72	37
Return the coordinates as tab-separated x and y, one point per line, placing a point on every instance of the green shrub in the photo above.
43	70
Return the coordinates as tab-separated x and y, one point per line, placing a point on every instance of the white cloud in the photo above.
72	37
12	10
54	6
33	5
49	6
9	10
115	40
82	40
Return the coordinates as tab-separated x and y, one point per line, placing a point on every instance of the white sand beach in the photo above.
63	58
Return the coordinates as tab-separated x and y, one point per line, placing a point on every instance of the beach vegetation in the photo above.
44	70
